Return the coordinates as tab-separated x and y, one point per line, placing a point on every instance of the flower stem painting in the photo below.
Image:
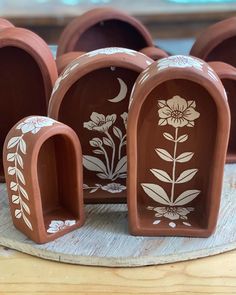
176	112
109	164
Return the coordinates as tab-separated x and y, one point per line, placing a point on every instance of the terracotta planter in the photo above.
217	43
64	60
177	132
154	52
92	96
103	27
227	74
43	168
28	72
5	24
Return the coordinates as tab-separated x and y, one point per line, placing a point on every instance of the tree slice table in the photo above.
104	240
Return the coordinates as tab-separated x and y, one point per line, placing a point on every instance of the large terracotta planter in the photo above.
105	27
65	59
43	168
217	43
178	129
92	96
28	72
227	74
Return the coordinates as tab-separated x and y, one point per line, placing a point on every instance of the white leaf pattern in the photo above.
13	142
164	155
156	192
184	157
93	164
161	175
186	197
122	165
186	175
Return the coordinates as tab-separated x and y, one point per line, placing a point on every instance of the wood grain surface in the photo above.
24	274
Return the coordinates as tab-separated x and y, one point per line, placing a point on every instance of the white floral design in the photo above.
57	225
111	50
178	113
20	196
179	61
108	169
34	124
113	187
99	122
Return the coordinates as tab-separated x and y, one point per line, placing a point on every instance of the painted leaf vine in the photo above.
176	112
17	150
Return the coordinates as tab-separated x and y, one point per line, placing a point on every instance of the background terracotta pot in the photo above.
154	52
28	72
64	60
177	133
227	74
104	27
43	168
217	43
82	99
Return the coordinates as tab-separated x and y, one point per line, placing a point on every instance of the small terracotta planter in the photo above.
92	97
227	74
104	27
28	72
43	168
4	23
217	43
65	59
178	129
154	52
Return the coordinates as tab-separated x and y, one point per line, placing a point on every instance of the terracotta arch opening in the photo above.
58	180
111	33
21	90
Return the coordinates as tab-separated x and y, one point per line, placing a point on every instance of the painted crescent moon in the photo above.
122	93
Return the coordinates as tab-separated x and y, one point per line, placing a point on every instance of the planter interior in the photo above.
201	136
21	89
56	169
90	95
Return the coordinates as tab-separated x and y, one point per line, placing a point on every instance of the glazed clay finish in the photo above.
43	168
217	43
154	52
103	27
64	60
178	130
91	96
227	74
28	73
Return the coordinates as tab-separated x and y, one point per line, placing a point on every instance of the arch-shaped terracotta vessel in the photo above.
227	74
217	42
64	60
4	23
103	27
178	129
43	168
92	96
28	73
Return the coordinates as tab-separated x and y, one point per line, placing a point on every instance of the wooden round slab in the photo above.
104	239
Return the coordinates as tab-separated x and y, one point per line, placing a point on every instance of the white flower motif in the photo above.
114	188
177	112
124	116
34	124
57	225
179	61
111	50
173	213
99	122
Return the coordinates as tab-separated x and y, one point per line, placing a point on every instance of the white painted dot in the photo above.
172	224
157	221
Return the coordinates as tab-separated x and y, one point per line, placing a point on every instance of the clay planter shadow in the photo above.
92	96
28	72
217	43
43	168
227	74
105	27
178	129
